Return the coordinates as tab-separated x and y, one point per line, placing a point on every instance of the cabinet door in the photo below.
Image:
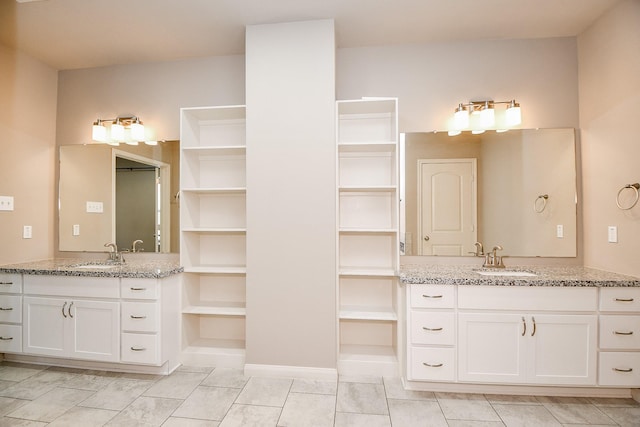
564	349
95	327
491	347
44	326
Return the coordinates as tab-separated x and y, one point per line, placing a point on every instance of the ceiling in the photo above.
69	34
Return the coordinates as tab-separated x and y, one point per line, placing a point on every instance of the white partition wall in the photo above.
291	201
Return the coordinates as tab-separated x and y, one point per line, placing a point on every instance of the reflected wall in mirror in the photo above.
515	189
119	194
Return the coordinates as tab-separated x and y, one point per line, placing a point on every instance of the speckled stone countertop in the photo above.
94	268
544	276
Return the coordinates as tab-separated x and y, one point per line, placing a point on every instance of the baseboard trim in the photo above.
291	372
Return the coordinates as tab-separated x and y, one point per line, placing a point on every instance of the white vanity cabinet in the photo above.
527	335
619	362
72	317
10	313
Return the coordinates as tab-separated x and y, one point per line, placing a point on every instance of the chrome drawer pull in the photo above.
63	307
624	299
431	329
533	319
138	349
623	333
6	338
432	296
622	370
437	365
138	317
138	289
6	283
524	326
6	309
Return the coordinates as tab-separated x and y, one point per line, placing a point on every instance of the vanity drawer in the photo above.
619	369
10	283
538	298
620	332
140	316
10	338
620	299
140	348
432	296
76	286
132	288
435	328
432	364
11	308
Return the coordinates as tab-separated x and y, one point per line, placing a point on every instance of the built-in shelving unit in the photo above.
368	237
213	234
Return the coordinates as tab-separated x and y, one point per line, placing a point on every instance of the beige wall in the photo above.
609	78
28	91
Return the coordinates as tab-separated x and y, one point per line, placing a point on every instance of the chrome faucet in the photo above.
114	255
492	260
479	249
133	246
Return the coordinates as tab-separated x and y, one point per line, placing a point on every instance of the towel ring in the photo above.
635	188
542	197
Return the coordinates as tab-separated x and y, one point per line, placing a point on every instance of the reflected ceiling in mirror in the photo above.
97	203
515	189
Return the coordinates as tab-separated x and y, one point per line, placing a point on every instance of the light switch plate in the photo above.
76	229
6	203
95	207
559	231
613	234
26	232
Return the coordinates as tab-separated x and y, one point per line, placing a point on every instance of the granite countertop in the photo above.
544	276
94	268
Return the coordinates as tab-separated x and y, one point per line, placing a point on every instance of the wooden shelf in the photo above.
213	230
367	189
367	147
367	313
228	190
217	309
220	269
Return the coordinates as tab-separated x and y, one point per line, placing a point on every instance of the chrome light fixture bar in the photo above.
122	129
485	113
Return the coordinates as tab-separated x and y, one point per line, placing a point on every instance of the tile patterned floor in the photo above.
206	397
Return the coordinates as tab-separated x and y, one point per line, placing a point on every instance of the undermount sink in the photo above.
96	266
507	273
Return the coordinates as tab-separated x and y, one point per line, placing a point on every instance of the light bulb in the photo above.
117	132
461	118
99	132
137	132
454	132
487	116
513	116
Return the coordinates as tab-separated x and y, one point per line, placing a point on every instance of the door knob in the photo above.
426	238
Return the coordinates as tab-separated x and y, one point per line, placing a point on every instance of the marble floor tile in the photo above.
50	405
188	422
314	386
394	390
8	404
359	379
226	377
459	406
85	417
625	417
526	415
13	422
207	403
37	385
145	411
308	410
118	394
468	423
362	398
18	371
361	420
512	399
179	385
575	410
89	382
265	391
196	369
411	413
251	416
613	402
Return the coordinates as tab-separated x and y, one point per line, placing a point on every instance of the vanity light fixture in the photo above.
122	129
485	116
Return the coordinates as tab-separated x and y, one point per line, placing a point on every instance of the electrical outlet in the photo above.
95	207
6	203
560	231
612	234
76	229
26	232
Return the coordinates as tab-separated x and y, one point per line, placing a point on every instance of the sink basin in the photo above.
96	266
507	273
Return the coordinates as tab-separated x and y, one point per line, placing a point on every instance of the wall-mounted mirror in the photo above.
516	189
119	194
